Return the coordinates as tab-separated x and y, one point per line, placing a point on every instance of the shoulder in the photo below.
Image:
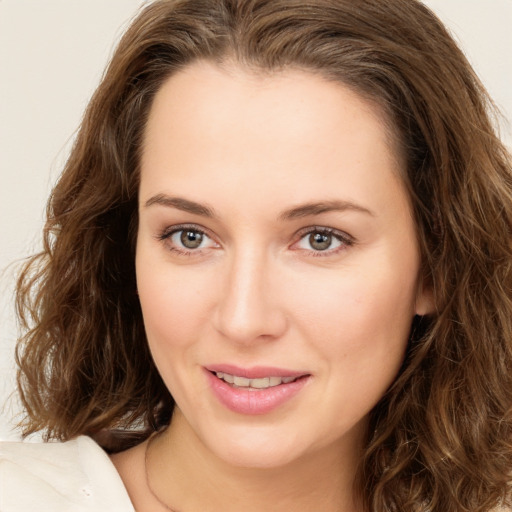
75	476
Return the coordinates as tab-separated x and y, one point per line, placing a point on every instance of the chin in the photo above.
256	448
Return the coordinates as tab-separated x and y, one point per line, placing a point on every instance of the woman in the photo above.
276	273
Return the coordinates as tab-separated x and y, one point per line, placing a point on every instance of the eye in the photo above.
323	240
189	238
186	239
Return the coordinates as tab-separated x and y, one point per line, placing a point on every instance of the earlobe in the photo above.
425	303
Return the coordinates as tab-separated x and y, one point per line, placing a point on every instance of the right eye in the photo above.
187	239
323	241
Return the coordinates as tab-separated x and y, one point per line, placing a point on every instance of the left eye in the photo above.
320	241
190	239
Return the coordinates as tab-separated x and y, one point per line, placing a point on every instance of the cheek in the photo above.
361	330
359	319
174	308
174	302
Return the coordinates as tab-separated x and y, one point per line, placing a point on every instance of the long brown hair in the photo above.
441	438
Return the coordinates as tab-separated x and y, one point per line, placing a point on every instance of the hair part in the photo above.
441	438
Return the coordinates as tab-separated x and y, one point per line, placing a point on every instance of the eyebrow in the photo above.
309	209
297	212
182	204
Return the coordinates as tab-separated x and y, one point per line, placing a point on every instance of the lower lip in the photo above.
253	402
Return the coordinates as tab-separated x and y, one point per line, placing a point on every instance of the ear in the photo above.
425	303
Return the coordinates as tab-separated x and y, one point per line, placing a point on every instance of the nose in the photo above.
249	308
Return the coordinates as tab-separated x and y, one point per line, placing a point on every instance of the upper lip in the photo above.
255	372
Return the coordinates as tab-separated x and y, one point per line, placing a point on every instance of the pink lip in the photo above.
256	372
255	402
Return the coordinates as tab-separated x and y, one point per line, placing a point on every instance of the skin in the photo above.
251	148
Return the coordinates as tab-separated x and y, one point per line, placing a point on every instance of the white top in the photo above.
76	476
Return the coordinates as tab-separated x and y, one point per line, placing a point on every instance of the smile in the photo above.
253	384
257	390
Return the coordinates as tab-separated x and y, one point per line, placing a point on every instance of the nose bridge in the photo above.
249	308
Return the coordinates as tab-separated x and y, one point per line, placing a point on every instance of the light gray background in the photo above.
52	54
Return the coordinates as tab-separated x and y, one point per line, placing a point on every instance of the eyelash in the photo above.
344	239
167	234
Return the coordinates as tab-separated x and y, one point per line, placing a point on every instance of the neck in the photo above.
184	475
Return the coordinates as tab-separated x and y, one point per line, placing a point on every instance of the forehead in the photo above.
210	122
204	90
204	86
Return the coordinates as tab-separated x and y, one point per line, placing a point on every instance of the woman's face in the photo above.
277	264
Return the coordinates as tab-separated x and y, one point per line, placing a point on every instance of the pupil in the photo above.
320	241
191	239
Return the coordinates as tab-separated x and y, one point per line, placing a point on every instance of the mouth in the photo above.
256	390
239	382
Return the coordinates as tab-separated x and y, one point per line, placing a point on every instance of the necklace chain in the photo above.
150	441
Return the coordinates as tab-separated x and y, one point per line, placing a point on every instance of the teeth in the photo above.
275	381
261	383
229	378
241	382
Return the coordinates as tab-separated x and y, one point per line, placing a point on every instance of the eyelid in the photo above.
346	239
328	230
166	234
170	230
